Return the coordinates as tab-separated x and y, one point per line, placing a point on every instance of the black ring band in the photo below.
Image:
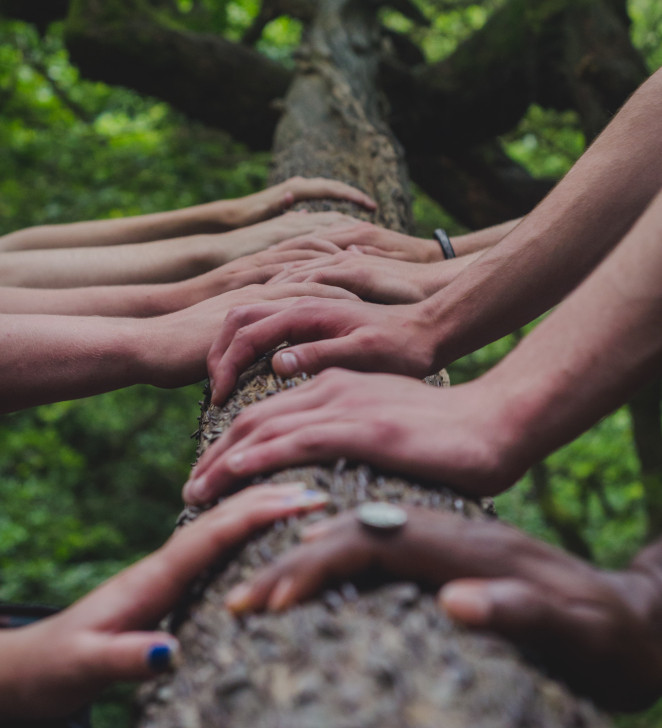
446	248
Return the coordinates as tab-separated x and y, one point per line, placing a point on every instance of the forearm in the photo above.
46	358
436	276
133	301
211	217
590	354
15	655
479	240
161	261
564	238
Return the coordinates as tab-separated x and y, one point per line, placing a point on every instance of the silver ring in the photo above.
381	516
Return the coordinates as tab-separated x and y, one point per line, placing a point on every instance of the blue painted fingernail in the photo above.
160	658
308	498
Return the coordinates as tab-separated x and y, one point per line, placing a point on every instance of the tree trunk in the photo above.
367	654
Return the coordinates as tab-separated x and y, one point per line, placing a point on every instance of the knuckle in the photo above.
313	440
235	317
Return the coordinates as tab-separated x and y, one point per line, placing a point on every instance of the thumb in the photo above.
130	656
510	606
315	356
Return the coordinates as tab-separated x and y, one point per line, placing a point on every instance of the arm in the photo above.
378	241
480	240
582	361
209	218
377	278
156	262
531	269
47	358
157	299
51	668
599	630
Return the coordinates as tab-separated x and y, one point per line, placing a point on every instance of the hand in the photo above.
375	240
171	350
355	335
51	668
247	270
455	436
274	200
600	630
373	278
301	230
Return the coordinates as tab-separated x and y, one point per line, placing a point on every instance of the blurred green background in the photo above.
89	486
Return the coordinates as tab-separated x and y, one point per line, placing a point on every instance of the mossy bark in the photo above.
368	653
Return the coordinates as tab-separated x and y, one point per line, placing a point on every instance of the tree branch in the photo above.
479	187
221	83
39	12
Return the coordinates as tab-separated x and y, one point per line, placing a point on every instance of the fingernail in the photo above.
307	498
195	488
238	599
468	604
236	461
288	363
282	594
315	530
162	657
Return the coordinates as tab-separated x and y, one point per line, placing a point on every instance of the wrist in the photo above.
145	349
432	251
14	657
227	214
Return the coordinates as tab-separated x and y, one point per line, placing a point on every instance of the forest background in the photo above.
88	486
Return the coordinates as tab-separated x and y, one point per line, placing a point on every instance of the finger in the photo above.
301	270
128	656
139	596
319	187
267	418
246	333
308	288
310	398
323	261
315	356
306	569
241	341
292	255
308	243
322	442
374	250
288	275
518	609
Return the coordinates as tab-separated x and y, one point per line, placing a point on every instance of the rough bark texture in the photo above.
366	654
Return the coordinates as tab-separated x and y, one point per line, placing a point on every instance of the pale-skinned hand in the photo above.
302	227
172	349
274	200
51	668
373	278
399	424
376	240
354	335
599	630
256	268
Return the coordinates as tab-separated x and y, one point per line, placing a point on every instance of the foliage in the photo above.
89	486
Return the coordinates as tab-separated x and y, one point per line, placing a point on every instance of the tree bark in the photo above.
369	653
